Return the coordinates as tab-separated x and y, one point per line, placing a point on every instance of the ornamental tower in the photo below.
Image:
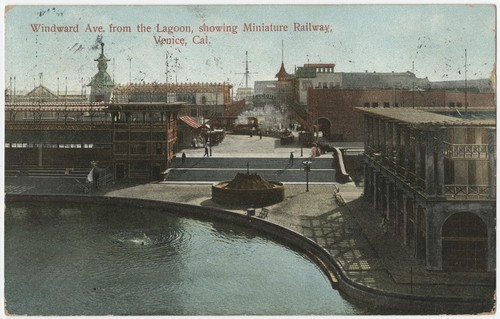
284	84
101	84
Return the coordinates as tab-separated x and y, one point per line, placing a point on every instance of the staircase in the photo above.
300	112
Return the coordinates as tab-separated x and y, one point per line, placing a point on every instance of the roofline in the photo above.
321	65
61	106
405	116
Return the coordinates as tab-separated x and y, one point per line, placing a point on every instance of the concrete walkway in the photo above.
246	146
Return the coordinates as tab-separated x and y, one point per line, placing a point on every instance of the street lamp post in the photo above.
212	121
307	169
210	138
301	141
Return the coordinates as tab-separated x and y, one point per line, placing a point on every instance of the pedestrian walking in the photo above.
291	158
206	152
260	134
193	143
183	157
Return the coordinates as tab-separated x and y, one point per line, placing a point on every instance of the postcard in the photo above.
253	159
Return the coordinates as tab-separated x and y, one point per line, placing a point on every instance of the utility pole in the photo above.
167	57
166	103
413	85
176	68
41	81
466	101
246	69
129	70
166	76
66	89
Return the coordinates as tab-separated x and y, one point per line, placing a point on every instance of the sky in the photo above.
358	38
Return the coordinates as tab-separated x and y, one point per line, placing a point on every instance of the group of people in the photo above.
259	132
183	156
194	143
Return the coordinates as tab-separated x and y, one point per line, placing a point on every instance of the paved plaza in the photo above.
351	233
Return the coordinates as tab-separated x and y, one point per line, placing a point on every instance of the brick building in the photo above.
321	99
332	111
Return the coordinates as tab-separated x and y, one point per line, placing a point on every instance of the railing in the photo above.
465	150
453	150
466	191
140	125
451	191
106	178
56	125
300	110
84	186
36	102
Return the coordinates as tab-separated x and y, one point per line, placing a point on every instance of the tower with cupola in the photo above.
101	84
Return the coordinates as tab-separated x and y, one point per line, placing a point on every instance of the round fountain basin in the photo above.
253	197
248	189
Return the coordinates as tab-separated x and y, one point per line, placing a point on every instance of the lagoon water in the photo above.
114	260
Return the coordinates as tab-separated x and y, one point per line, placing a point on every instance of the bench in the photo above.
263	213
250	211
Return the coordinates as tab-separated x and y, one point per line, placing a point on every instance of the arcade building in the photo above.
431	174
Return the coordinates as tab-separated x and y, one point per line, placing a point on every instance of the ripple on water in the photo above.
150	238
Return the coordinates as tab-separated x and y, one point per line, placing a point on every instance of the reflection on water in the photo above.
102	260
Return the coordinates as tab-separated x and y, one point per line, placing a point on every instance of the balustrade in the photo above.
461	192
466	150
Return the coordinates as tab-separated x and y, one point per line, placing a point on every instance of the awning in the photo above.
191	121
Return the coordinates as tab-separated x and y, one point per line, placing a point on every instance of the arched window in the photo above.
465	243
